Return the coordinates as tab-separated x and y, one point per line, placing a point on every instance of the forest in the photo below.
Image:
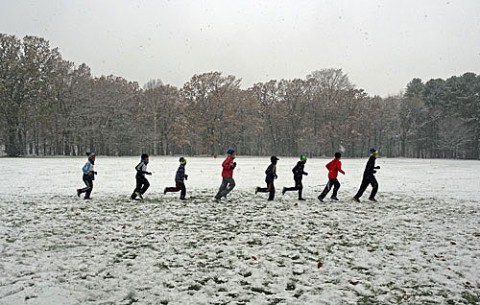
49	106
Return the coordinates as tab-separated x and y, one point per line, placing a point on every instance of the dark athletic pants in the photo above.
298	187
88	180
142	185
180	186
269	189
328	187
226	187
365	182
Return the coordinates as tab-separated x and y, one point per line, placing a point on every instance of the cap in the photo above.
230	151
182	160
303	158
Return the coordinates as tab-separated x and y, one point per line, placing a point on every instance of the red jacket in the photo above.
334	167
228	167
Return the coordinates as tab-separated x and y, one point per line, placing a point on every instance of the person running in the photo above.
298	173
88	176
180	178
369	177
228	183
142	182
271	173
333	167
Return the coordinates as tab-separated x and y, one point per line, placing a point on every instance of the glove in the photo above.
276	177
234	164
186	177
306	174
377	167
95	173
148	173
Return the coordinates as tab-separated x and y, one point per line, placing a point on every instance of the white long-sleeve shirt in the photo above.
141	168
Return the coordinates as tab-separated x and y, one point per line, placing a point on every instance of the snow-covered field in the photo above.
420	244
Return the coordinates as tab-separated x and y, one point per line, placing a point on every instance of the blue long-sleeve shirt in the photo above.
88	168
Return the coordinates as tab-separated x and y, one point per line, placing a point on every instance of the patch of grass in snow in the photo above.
261	290
470	298
291	284
219	280
254	241
275	301
298	293
335	281
168	285
367	300
161	266
222	289
194	286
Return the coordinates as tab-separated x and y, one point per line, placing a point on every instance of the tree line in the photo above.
50	106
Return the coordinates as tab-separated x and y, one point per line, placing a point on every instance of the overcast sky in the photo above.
381	45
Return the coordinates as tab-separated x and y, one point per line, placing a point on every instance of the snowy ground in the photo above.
420	244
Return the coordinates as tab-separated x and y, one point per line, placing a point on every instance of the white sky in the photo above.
381	45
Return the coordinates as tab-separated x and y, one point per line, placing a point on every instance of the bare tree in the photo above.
162	109
210	97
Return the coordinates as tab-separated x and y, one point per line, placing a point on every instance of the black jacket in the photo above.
271	173
298	171
370	168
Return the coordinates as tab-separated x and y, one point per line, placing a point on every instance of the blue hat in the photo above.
230	151
372	150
